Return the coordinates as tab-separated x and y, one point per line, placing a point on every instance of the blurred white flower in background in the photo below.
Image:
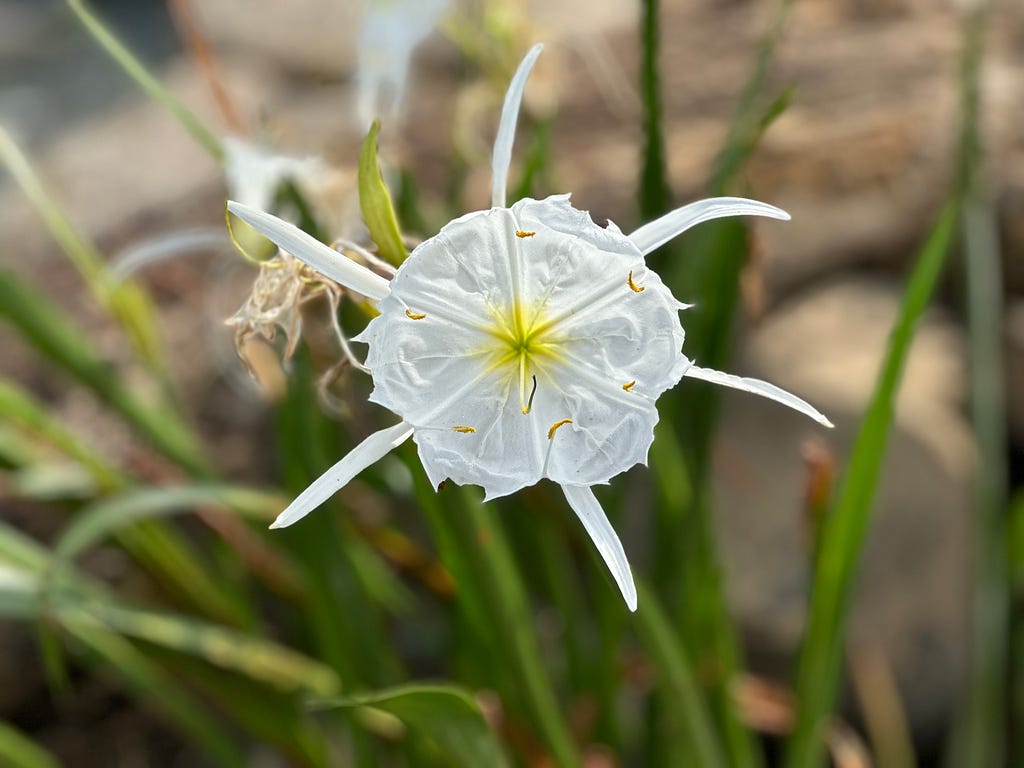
521	344
254	173
390	32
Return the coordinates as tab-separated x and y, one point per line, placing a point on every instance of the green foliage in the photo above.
304	640
846	523
137	71
123	299
375	202
444	715
57	338
18	751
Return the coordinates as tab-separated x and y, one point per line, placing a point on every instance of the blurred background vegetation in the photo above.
853	597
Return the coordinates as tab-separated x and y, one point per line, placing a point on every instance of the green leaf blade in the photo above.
844	529
444	714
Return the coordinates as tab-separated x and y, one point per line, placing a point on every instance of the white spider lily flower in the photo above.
390	32
253	173
523	343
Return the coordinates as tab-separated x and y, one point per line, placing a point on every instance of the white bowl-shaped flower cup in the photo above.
523	343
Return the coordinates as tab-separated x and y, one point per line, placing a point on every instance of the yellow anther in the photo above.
464	430
628	386
521	233
414	315
555	426
633	286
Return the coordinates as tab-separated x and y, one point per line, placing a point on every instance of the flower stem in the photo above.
980	738
137	71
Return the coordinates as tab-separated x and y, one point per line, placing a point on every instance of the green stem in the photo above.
981	737
654	194
123	299
138	72
675	675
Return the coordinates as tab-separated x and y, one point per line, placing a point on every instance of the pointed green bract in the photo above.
375	202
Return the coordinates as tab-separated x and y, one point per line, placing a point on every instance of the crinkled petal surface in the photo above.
501	297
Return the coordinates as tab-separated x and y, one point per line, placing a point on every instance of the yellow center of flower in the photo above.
523	343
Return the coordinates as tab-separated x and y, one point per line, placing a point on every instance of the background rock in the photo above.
911	601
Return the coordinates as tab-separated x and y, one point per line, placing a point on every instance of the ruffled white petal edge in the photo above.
588	509
307	248
372	449
502	155
758	387
674	223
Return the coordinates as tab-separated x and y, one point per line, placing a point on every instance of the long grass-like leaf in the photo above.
74	602
1015	682
56	336
150	684
274	718
22	551
22	409
131	517
981	737
138	72
474	548
123	299
18	751
20	600
675	675
98	521
254	657
444	714
654	195
844	529
705	267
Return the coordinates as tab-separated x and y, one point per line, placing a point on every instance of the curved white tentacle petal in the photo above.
758	387
502	155
674	223
372	449
588	509
307	248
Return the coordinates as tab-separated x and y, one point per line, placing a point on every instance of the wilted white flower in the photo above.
523	343
282	285
254	173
